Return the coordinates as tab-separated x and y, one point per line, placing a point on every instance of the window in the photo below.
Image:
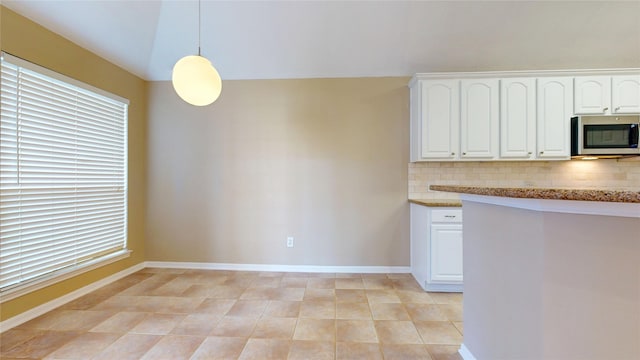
63	176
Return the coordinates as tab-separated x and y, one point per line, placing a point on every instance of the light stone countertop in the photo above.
437	202
622	196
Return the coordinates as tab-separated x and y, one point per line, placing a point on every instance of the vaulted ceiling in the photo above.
308	39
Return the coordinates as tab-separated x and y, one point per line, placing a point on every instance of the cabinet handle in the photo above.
453	153
605	109
450	216
464	153
618	108
541	152
529	153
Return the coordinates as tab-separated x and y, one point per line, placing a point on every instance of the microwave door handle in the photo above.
633	136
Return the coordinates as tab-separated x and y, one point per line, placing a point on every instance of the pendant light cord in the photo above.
199	28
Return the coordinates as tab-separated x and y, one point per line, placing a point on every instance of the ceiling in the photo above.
309	39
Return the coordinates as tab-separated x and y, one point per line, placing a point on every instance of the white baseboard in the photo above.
465	353
55	303
281	268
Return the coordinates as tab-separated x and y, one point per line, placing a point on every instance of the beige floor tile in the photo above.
418	297
43	322
80	320
226	292
315	330
265	349
377	284
351	295
358	351
215	306
248	308
271	274
269	282
425	312
157	324
439	332
348	276
294	282
444	352
353	311
129	347
172	288
312	350
219	348
197	290
16	336
405	352
460	326
406	284
259	293
446	298
282	309
321	283
453	312
389	311
274	328
288	294
349	283
382	296
41	345
197	324
84	346
397	332
174	347
311	294
120	323
231	326
356	331
318	309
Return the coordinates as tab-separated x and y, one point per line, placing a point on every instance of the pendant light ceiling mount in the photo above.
195	79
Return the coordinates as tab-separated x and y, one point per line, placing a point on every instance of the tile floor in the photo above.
200	314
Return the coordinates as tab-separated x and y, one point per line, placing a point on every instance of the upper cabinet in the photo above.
511	115
435	120
554	118
607	95
518	118
479	119
625	94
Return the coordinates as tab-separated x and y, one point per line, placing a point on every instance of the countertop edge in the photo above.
437	202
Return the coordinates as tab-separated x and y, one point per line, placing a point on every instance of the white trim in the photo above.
465	353
57	277
522	73
560	206
57	302
281	268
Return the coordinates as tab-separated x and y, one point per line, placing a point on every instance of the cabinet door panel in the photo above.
479	118
592	95
626	94
446	253
517	118
554	117
440	119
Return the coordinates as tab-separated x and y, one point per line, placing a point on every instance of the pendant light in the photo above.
194	79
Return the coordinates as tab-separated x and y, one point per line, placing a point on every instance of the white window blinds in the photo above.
63	174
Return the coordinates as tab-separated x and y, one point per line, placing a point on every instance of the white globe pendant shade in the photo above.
196	81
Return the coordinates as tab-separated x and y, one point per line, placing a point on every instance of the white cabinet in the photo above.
435	119
517	118
607	95
625	94
554	97
479	119
436	248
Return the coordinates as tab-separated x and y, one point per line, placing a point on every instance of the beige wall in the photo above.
323	160
28	40
618	174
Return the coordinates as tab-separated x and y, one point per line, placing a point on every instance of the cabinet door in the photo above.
479	119
517	118
554	97
445	253
592	95
625	97
440	119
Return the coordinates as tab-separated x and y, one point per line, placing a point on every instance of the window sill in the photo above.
21	290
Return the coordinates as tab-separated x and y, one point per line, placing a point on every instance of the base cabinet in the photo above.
436	248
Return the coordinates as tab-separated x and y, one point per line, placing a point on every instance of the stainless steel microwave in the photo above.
605	135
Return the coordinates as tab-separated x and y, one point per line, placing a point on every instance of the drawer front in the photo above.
446	216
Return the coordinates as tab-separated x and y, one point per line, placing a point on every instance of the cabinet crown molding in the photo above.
522	73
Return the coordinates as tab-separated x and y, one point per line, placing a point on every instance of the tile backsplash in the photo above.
623	174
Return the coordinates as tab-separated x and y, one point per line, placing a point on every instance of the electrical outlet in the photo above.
289	241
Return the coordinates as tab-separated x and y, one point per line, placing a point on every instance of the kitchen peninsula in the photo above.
550	273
